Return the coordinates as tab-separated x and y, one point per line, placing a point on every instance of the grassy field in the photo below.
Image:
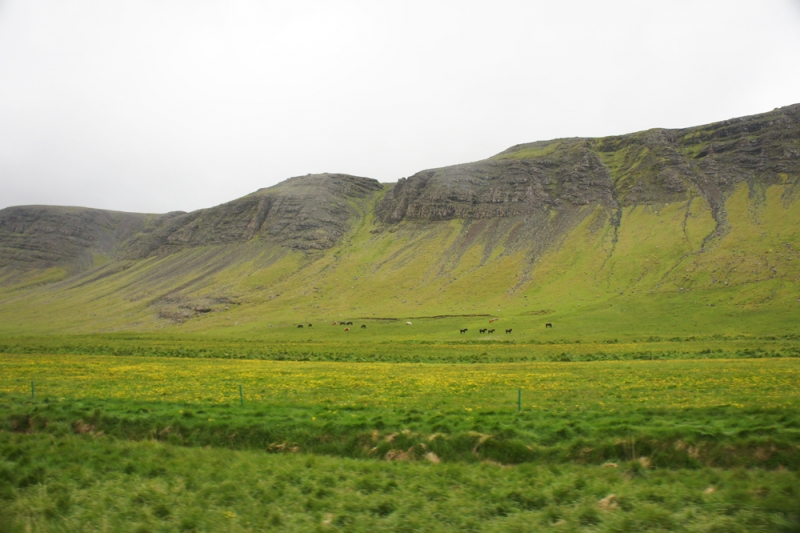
151	486
165	444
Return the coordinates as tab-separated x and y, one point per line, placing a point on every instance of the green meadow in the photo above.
131	443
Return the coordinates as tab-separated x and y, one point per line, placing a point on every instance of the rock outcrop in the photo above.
534	192
655	166
44	236
304	213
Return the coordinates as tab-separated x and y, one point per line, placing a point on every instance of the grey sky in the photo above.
160	105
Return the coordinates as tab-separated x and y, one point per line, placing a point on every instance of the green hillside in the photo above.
662	233
657	278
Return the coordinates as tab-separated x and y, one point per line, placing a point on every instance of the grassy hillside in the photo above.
656	273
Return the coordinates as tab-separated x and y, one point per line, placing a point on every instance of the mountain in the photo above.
561	228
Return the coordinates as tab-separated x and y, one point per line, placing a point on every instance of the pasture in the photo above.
139	443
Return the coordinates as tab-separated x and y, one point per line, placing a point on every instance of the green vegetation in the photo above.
653	276
150	486
663	398
429	340
535	151
164	444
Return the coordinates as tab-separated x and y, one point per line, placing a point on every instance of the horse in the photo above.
309	325
463	330
299	325
408	323
363	326
482	330
347	329
490	331
335	323
548	325
508	331
492	320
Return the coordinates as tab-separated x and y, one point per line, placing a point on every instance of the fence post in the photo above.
33	390
241	395
519	400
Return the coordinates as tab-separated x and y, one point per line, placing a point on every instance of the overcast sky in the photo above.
162	105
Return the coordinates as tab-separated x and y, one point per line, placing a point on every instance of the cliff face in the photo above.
534	192
304	213
656	166
503	186
45	236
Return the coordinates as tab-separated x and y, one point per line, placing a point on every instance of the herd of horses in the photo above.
464	330
484	330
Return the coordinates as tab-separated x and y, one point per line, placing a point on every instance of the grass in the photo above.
151	486
429	340
162	444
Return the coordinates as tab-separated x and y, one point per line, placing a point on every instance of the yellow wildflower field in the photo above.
762	383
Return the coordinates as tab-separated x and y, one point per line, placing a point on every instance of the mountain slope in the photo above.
661	232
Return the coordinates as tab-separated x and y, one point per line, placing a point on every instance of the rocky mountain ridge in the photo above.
544	187
655	166
43	236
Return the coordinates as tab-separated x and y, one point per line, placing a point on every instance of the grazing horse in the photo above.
349	323
299	325
548	325
363	326
347	329
491	331
408	323
508	331
309	325
463	330
335	323
482	330
492	320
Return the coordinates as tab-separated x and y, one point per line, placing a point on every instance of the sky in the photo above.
164	105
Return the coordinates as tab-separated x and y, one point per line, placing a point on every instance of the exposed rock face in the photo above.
44	236
306	212
642	168
501	187
533	192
